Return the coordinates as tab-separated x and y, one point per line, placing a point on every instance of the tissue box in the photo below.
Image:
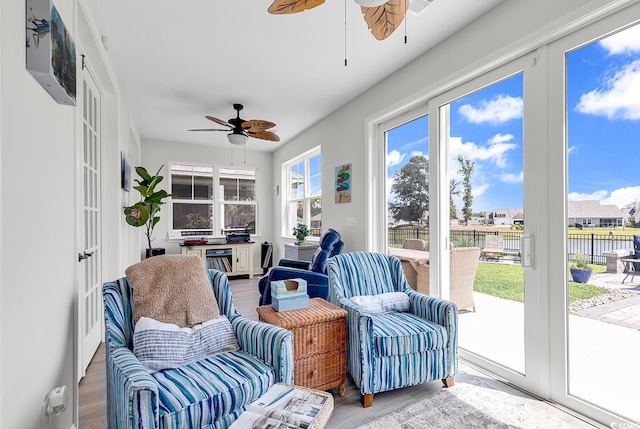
289	294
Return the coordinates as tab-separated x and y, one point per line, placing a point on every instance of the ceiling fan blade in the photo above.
282	7
209	129
219	121
384	19
257	125
264	135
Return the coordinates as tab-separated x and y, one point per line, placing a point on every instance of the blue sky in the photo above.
603	130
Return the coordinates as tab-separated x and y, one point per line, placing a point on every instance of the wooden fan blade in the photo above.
283	7
264	135
257	125
219	121
208	129
384	19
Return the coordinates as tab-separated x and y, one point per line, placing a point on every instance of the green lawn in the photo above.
507	281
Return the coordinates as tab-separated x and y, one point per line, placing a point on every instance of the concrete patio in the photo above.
604	336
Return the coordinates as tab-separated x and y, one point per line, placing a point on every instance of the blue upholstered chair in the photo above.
210	393
314	272
392	349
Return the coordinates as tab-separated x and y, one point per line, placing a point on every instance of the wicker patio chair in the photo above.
415	244
464	264
493	247
409	271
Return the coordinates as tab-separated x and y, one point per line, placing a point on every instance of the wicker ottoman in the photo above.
318	341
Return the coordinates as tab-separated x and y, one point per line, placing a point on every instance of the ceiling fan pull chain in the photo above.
345	33
405	28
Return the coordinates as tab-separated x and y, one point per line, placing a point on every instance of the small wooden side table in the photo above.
319	343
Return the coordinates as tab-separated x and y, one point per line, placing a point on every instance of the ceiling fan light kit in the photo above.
237	138
370	3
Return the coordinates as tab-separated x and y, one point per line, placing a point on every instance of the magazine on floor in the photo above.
282	407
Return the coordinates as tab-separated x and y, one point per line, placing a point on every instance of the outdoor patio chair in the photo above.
493	247
463	268
415	244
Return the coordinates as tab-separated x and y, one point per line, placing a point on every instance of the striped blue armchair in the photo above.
392	349
210	393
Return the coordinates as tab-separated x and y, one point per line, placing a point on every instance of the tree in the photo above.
453	190
466	169
411	190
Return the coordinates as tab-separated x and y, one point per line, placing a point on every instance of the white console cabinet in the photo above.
234	259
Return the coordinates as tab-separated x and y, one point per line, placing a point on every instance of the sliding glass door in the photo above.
598	118
484	172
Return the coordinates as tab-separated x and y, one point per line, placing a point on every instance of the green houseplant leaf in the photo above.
144	212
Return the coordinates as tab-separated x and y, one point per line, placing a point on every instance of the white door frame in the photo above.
89	249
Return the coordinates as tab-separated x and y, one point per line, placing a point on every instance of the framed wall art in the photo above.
125	171
51	51
343	184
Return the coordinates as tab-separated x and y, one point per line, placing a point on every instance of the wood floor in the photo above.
348	412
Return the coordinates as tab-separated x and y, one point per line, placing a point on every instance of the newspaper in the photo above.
282	407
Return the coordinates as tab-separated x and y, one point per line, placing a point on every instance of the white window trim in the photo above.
286	227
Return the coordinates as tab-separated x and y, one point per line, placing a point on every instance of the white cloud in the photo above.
619	197
624	42
512	178
597	195
620	97
479	190
394	158
419	153
501	138
500	109
495	153
571	149
623	196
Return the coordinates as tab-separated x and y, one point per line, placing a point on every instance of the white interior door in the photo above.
89	256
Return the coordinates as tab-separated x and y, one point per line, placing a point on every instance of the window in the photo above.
303	192
197	210
238	200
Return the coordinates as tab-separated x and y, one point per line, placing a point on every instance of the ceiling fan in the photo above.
382	17
241	130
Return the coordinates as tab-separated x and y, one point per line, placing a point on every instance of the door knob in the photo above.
84	255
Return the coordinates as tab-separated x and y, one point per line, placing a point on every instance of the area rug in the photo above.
470	406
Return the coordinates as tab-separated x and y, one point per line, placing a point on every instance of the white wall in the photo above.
38	221
159	152
38	231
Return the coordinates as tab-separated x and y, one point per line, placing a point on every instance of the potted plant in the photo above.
301	232
145	211
580	269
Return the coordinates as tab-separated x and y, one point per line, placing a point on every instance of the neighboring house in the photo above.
590	213
506	217
316	221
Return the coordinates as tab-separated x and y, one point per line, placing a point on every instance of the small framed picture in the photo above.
125	171
343	184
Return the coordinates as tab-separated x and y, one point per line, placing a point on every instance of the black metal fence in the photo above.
592	245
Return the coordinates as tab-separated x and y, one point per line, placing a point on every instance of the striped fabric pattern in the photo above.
387	352
164	345
206	394
396	333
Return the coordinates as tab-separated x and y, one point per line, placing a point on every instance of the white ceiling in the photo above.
179	61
